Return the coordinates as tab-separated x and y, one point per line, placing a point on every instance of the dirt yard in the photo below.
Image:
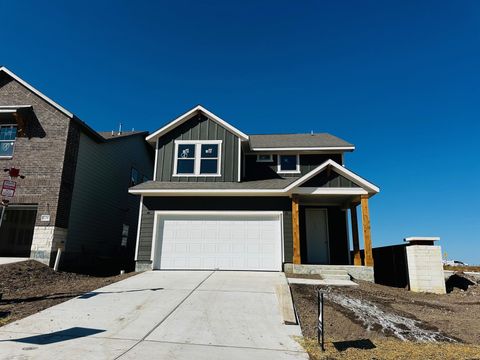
379	322
29	287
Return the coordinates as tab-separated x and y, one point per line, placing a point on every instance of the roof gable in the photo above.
187	116
329	179
36	92
339	169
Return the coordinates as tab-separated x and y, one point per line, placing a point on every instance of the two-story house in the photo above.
75	192
222	199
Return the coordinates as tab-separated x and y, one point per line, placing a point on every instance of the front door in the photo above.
316	222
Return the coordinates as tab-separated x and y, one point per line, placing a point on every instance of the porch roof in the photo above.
272	187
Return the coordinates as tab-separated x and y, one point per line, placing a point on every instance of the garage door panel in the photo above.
226	241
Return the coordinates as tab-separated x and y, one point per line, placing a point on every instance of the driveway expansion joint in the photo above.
224	346
165	317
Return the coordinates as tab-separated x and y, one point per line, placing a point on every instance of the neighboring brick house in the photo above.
74	195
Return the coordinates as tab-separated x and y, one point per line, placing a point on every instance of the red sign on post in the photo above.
8	188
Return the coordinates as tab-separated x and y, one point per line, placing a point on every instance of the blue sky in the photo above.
399	79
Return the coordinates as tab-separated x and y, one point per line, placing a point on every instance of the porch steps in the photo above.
334	274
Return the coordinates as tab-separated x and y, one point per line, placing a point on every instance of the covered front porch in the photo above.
326	213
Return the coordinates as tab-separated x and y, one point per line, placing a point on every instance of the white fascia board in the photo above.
15	107
422	238
340	170
36	92
188	115
307	148
212	192
329	191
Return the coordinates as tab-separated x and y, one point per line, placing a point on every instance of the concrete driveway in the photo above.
162	315
11	260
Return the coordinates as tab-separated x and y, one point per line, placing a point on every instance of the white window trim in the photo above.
270	159
14	141
197	159
280	171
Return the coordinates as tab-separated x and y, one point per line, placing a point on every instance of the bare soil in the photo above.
454	316
28	287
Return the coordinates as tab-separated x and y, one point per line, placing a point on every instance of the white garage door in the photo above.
227	241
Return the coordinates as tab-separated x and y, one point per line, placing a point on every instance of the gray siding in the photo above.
146	234
150	204
329	179
261	170
101	203
198	128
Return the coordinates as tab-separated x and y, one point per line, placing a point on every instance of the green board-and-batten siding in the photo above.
198	128
328	178
268	170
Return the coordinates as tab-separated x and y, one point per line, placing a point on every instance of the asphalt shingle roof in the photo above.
248	185
296	140
107	135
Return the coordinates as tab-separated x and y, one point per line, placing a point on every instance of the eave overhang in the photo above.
187	116
364	187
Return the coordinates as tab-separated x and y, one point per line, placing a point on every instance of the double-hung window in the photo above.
8	135
288	164
197	158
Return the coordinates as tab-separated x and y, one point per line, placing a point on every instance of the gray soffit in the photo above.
279	141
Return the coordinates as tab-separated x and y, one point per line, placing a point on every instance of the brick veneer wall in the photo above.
39	154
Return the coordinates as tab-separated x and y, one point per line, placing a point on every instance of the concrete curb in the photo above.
285	303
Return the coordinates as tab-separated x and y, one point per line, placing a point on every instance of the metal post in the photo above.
320	328
1	215
323	332
57	259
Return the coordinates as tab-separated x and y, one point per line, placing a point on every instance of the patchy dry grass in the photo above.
389	349
4	321
462	268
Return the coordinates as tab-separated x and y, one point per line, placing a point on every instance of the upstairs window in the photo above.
288	164
264	158
197	158
186	159
8	136
134	177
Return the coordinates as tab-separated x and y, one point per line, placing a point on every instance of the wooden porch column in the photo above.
296	231
367	238
357	258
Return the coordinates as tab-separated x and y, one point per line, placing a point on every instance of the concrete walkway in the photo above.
162	315
11	260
